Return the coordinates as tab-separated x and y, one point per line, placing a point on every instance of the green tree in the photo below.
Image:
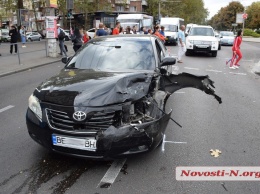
63	11
192	11
253	19
226	16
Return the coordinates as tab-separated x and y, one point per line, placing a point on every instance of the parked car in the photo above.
202	39
31	36
5	35
227	38
102	105
67	35
91	32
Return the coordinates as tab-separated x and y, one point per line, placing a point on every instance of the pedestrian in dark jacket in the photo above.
14	38
77	39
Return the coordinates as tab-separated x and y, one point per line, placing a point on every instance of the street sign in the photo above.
234	24
239	18
245	16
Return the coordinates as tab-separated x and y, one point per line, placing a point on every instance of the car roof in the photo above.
201	26
124	36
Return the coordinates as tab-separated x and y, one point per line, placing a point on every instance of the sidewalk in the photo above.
251	39
34	55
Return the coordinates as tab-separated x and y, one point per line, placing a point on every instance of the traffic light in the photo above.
69	12
56	12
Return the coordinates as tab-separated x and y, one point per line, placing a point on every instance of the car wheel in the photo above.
214	53
219	47
30	39
67	38
39	39
187	53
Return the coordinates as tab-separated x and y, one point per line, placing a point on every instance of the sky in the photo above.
214	6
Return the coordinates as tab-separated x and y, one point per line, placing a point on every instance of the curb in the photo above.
27	68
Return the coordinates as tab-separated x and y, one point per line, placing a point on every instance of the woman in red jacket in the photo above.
237	55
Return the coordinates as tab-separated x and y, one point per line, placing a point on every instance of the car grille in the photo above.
97	121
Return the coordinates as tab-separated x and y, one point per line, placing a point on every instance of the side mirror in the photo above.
168	61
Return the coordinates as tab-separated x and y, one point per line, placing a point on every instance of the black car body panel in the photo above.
123	111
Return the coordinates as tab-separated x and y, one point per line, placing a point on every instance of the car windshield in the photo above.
226	33
115	54
201	32
170	28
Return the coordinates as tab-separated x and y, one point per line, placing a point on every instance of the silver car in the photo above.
227	38
31	36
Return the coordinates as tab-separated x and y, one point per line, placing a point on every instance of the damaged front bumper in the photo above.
110	143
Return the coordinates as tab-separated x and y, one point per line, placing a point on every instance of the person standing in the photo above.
101	31
157	33
77	40
128	30
61	36
134	30
14	38
23	36
116	29
162	31
181	43
145	30
85	36
237	55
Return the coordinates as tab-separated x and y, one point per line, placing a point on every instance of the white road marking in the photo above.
6	108
237	73
213	70
112	172
191	68
174	142
175	68
163	143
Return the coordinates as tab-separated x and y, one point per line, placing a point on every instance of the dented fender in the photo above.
171	83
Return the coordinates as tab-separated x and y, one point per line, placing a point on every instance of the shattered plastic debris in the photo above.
215	153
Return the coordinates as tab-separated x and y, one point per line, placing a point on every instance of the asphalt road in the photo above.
232	127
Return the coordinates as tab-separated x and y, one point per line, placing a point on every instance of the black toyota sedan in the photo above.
109	100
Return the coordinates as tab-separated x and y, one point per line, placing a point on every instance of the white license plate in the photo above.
76	143
202	46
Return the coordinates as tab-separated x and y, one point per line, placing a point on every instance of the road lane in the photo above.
232	127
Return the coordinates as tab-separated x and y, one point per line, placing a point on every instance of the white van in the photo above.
138	20
171	28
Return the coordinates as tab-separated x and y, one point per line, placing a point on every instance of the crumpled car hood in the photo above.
90	88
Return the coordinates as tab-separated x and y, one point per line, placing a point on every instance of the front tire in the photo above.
214	53
187	53
219	47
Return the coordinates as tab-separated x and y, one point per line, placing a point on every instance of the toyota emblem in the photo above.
79	116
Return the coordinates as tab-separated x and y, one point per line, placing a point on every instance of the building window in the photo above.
109	22
133	8
120	8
